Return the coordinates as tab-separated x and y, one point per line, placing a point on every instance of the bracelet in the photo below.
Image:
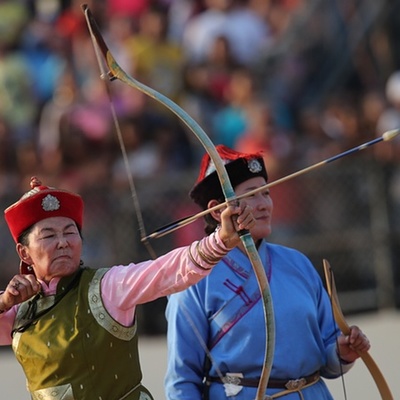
209	259
194	261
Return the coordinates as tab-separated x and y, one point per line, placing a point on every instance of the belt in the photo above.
290	384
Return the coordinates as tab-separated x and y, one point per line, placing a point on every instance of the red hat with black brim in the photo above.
239	166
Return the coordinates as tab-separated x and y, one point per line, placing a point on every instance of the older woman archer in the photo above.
72	328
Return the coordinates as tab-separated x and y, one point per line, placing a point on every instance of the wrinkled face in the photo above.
54	248
262	206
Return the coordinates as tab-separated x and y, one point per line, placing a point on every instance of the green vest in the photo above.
75	350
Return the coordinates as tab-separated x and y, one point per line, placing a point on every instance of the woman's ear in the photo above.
23	254
216	214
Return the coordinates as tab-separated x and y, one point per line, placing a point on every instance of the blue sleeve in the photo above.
187	330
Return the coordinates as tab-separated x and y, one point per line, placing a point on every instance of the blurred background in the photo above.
300	80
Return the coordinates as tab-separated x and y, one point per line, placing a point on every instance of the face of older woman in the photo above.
54	248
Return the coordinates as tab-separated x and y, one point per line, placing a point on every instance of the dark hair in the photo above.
211	223
23	237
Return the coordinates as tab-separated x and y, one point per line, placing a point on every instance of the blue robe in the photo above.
305	329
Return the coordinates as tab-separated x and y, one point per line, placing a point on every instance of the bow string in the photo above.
99	42
116	72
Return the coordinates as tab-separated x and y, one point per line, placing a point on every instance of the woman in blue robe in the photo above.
216	328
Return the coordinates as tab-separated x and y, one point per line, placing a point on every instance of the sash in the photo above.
247	294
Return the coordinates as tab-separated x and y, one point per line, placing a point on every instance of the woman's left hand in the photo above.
350	345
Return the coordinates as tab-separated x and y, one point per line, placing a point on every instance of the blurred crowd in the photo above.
299	79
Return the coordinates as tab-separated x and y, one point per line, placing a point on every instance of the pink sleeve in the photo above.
124	287
6	324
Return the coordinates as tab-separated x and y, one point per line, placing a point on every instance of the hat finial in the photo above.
35	182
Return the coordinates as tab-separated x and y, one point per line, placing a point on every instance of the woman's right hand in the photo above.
234	219
19	289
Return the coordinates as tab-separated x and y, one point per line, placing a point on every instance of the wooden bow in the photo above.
116	72
345	328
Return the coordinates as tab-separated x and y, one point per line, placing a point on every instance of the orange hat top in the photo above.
42	202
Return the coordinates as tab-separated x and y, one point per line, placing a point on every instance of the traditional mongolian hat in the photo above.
240	168
42	202
39	203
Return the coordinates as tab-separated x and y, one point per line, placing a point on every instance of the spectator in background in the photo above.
156	60
373	103
14	17
201	30
218	66
312	139
232	120
277	148
340	121
263	135
46	52
207	82
237	20
390	119
9	177
179	13
142	154
18	106
247	32
133	9
388	154
54	112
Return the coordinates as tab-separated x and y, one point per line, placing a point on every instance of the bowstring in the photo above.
132	187
336	337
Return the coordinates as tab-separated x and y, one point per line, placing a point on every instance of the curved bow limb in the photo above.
370	363
116	72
